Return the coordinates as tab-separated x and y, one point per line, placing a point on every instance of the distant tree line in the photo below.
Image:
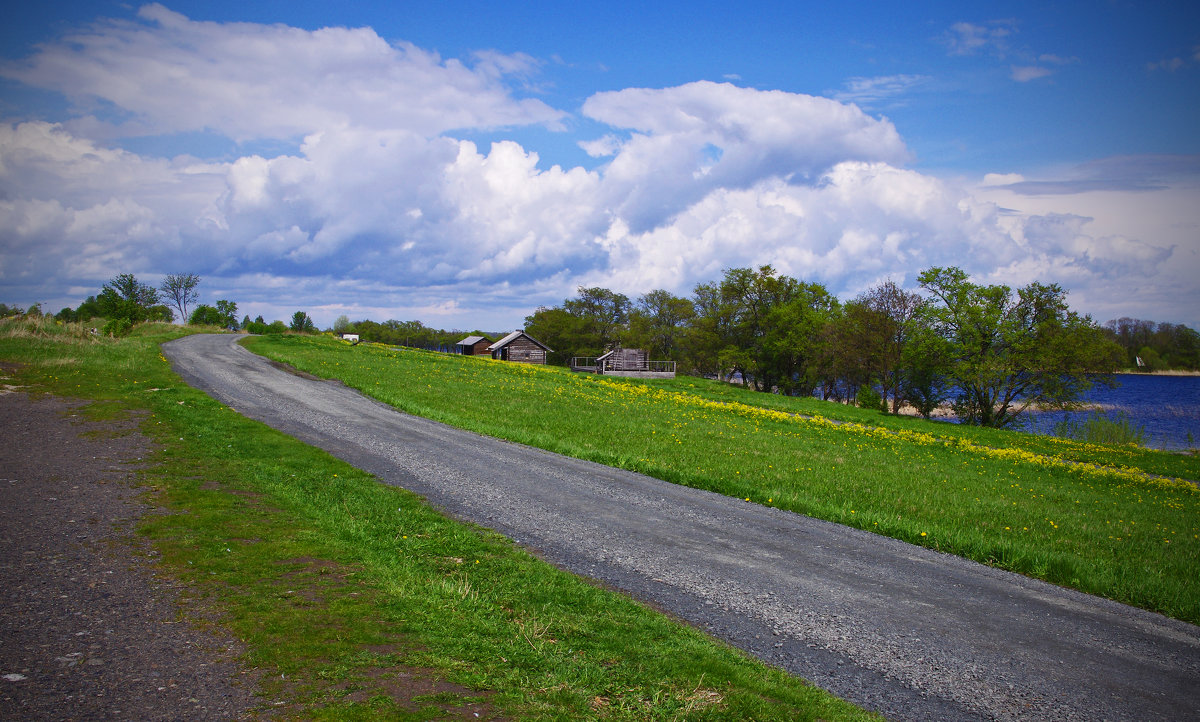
1160	346
413	334
990	351
125	301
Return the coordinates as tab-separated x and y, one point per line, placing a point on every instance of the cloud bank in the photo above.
378	210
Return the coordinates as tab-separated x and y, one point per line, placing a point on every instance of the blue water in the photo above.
1166	407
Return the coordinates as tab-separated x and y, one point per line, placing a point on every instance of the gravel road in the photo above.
910	633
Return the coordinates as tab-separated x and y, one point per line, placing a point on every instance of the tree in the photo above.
707	344
224	314
658	322
124	297
228	311
205	315
926	381
179	289
301	323
587	325
561	331
762	326
341	324
1007	353
604	314
878	326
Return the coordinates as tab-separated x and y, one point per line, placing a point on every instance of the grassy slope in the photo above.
1101	519
346	591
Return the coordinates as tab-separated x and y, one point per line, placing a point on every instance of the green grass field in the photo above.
1119	522
355	600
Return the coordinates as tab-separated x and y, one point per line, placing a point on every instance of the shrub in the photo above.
869	398
1101	429
117	327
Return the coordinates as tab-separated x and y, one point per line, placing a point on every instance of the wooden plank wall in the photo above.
525	351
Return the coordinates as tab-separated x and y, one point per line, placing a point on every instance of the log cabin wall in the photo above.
523	350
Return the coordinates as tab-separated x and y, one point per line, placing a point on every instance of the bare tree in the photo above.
180	290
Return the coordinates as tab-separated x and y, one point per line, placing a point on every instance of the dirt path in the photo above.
896	628
87	629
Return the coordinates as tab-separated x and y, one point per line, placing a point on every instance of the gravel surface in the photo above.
87	629
899	629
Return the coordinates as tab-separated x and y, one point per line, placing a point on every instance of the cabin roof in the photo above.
472	340
513	337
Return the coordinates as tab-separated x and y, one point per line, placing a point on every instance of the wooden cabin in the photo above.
520	347
473	346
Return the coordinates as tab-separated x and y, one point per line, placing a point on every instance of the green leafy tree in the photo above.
179	290
1151	361
764	326
1010	351
876	327
86	311
124	297
604	315
301	323
205	315
562	331
587	325
707	345
228	311
926	383
658	323
342	324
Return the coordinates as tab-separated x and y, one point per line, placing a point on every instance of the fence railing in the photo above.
591	364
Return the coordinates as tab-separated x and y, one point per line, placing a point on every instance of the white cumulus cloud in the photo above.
167	74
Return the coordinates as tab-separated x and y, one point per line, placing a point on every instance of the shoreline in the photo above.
1158	373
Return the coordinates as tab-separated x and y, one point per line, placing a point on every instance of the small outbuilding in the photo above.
629	362
473	346
521	347
352	338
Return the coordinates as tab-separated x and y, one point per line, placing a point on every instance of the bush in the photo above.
1101	429
205	315
869	398
117	327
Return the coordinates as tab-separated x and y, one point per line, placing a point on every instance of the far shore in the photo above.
1158	373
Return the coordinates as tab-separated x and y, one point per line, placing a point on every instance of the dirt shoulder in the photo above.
90	628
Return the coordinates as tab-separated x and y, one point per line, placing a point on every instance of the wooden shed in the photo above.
473	346
521	347
624	359
629	362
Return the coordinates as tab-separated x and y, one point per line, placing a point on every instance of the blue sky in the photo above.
462	163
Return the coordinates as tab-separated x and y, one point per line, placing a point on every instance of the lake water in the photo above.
1167	407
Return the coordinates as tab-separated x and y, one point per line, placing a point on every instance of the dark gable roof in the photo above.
513	337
